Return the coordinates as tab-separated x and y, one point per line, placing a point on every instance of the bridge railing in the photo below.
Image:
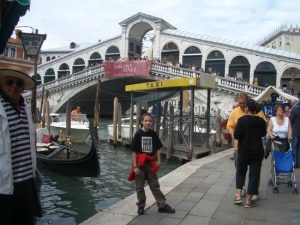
159	69
223	82
68	79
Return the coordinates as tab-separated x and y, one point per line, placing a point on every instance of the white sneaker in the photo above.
255	197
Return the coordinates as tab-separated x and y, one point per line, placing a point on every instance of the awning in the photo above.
11	11
266	95
155	97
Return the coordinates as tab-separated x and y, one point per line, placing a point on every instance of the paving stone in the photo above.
185	205
227	218
194	196
212	177
213	197
169	221
195	220
204	208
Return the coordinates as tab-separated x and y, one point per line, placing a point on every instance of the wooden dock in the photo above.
182	151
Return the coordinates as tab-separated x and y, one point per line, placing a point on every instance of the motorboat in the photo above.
199	131
79	127
125	128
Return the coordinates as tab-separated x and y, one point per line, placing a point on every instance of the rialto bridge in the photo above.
237	66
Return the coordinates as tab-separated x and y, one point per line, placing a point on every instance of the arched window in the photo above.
215	63
63	70
49	75
192	50
265	73
112	53
239	68
192	58
170	54
95	59
79	65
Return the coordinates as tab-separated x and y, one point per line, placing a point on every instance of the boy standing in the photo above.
145	162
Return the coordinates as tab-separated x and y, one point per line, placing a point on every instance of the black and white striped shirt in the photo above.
20	140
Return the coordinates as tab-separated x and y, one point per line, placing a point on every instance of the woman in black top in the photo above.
249	131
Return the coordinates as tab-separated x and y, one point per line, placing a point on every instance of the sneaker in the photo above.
166	209
237	201
141	211
255	197
249	205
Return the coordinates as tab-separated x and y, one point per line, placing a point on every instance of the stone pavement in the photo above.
202	192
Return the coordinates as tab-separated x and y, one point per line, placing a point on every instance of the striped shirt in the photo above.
20	140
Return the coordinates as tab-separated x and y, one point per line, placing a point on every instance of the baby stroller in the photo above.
282	171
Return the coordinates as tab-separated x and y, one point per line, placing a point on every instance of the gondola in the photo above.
66	160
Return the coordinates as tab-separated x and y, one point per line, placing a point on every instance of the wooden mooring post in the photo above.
115	121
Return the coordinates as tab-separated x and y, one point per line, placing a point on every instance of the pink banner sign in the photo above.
127	68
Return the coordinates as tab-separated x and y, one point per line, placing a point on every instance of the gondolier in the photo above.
18	157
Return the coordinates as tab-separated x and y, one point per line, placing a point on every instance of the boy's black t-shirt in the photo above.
146	142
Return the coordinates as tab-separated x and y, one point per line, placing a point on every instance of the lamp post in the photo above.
32	43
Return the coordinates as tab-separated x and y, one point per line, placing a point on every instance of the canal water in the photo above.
71	200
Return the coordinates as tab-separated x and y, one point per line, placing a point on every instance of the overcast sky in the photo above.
88	21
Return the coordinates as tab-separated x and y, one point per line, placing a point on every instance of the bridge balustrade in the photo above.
223	82
158	69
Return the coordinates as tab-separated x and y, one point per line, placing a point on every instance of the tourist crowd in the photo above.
249	126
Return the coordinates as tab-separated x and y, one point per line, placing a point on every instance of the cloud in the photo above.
78	21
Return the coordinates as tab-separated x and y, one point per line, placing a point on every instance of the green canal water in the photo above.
71	200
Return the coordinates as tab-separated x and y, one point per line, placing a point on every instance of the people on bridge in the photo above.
249	131
76	114
146	161
19	202
295	121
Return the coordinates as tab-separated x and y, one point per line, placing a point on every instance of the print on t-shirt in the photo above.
147	144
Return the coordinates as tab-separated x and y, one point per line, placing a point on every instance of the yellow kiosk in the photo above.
204	81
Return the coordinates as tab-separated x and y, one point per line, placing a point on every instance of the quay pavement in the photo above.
202	192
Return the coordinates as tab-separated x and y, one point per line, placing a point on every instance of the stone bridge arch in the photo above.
290	79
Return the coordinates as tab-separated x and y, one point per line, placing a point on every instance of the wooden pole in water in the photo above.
218	129
42	107
119	120
158	117
208	118
68	122
165	113
191	146
138	116
96	120
115	121
131	119
47	116
33	93
170	131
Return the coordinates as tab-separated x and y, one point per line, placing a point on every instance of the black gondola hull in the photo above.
86	166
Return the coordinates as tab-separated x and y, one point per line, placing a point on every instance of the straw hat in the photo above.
18	72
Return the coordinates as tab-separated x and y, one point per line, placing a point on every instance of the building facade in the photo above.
14	54
286	38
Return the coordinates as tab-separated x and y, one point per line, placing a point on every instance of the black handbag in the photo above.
268	147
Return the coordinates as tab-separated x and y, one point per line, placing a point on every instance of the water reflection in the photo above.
71	200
